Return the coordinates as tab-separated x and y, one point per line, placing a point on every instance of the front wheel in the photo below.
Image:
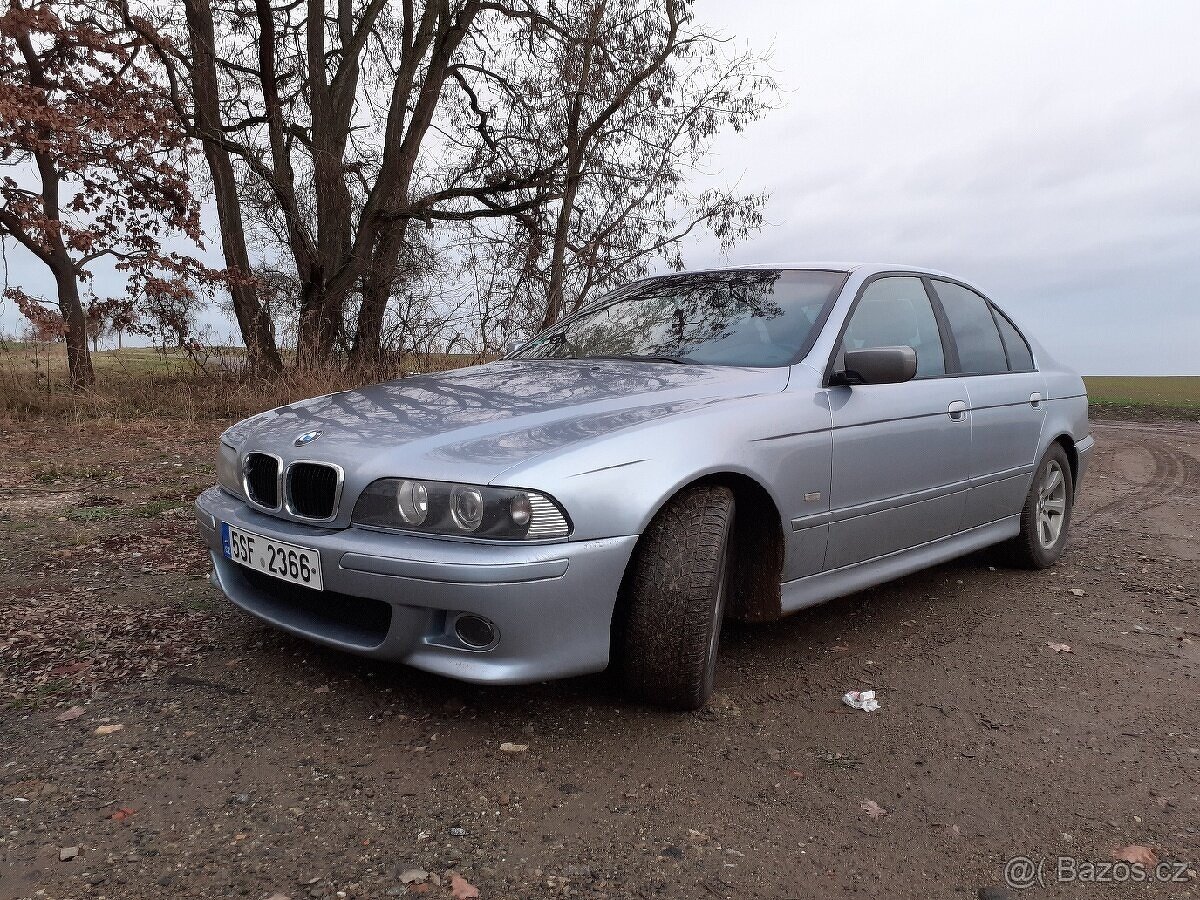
1046	516
675	600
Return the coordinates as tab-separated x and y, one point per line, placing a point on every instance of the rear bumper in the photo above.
396	597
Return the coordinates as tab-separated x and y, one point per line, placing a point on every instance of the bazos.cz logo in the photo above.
1023	872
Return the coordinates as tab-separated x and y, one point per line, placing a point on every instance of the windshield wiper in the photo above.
637	357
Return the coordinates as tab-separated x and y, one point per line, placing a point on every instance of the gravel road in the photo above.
250	764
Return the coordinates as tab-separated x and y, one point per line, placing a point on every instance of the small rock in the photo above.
107	729
66	853
458	832
462	889
73	713
509	747
673	852
1077	592
412	876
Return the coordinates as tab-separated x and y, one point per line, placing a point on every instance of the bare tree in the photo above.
98	324
640	93
345	122
94	159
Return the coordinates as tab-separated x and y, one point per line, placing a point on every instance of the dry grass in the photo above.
141	383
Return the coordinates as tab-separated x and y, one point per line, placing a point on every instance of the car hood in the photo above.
476	422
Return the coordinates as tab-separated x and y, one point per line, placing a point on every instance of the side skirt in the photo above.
813	589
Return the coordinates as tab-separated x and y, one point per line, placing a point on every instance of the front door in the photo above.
900	451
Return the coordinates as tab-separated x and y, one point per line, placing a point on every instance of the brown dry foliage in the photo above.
189	392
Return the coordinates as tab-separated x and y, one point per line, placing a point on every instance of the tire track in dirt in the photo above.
1173	473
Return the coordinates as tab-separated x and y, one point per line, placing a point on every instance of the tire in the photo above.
674	600
1046	516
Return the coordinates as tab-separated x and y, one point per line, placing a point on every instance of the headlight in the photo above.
229	470
468	510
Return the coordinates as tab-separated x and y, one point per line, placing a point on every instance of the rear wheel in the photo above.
1046	516
675	600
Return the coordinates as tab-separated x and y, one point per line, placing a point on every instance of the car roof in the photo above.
864	267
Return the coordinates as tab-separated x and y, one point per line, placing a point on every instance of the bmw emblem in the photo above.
307	438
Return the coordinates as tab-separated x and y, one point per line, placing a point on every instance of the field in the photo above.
135	383
143	381
1134	396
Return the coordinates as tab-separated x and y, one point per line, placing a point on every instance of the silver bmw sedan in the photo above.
737	443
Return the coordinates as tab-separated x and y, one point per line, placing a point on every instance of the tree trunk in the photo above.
576	145
367	353
319	325
558	257
253	322
79	361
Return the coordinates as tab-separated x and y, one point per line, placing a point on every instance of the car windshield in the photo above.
755	317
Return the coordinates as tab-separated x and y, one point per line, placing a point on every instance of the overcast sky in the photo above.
1047	152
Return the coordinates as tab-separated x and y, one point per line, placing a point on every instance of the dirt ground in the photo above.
251	764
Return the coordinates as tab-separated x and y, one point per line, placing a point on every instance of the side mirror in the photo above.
878	365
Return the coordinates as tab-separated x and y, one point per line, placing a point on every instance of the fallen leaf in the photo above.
1135	853
872	809
462	889
513	748
1059	648
107	729
73	713
122	814
71	668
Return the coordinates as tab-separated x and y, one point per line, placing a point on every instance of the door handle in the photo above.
957	410
1035	399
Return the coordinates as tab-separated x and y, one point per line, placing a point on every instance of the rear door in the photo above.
900	451
1005	393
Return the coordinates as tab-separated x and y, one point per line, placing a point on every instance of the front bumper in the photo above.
396	596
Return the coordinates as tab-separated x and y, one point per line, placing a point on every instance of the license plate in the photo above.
284	561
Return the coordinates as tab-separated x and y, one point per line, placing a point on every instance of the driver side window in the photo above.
895	311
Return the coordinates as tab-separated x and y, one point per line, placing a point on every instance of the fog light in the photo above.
476	632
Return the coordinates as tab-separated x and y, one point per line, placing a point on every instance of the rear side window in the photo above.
893	312
980	351
1019	357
